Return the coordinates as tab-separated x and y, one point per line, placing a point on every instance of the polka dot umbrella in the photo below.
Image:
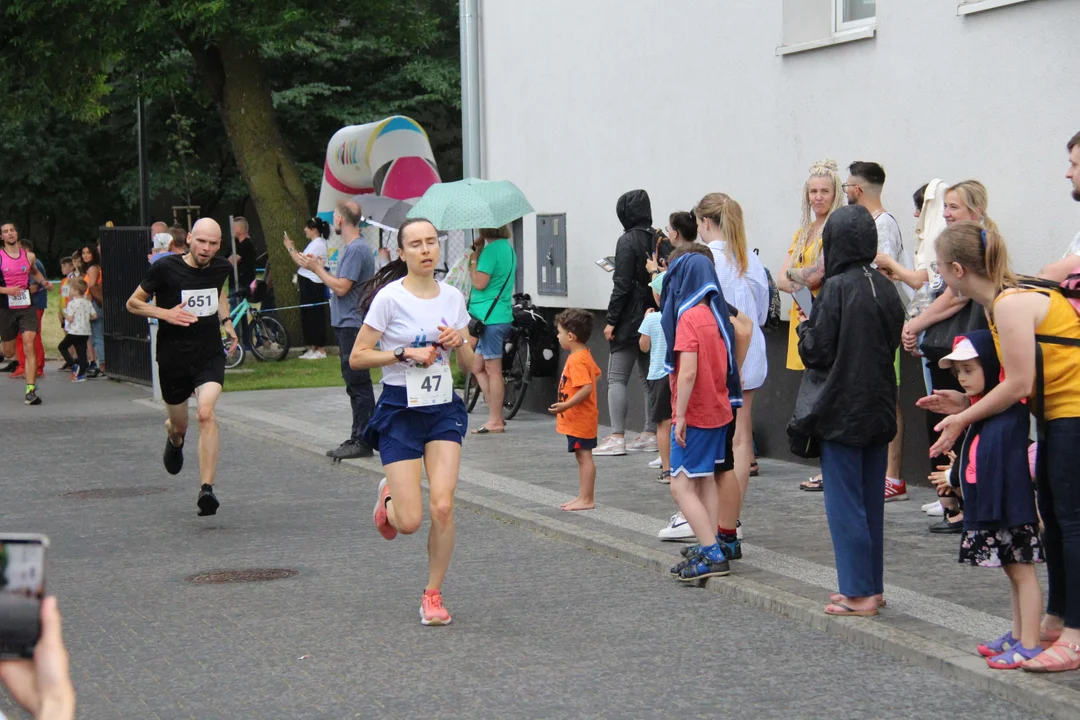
471	204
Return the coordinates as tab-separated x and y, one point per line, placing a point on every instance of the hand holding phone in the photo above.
805	300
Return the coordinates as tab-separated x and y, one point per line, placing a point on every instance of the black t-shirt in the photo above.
173	281
245	267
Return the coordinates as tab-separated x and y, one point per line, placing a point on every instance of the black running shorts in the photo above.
179	379
14	323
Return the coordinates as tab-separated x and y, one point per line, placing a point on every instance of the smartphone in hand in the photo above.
22	588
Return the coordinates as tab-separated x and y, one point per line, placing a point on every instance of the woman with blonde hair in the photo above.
1036	332
804	266
746	288
964	202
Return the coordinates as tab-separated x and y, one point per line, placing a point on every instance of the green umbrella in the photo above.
472	203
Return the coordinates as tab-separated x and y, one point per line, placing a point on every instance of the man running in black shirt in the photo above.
191	306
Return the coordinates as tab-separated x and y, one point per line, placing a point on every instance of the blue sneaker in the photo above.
712	562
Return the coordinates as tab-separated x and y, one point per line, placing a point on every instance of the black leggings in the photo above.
79	343
312	319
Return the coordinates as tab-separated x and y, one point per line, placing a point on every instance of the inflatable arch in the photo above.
391	157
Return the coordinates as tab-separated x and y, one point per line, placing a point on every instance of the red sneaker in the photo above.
19	373
432	611
382	522
895	490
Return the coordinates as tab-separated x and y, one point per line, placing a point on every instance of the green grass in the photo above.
291	373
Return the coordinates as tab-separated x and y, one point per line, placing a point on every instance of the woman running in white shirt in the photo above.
412	323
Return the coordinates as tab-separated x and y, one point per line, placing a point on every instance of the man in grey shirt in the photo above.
356	268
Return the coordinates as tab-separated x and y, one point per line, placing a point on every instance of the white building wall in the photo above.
585	99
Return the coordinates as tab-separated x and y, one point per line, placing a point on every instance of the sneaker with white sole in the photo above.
930	506
642	443
937	510
657	463
611	446
676	529
738	529
895	490
308	355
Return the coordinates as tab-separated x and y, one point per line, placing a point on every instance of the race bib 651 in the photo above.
200	303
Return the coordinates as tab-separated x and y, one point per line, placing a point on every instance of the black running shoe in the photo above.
32	398
351	449
10	367
208	504
174	457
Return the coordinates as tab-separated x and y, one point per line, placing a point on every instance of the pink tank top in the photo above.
16	270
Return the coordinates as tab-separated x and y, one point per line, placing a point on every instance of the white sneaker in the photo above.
930	506
318	355
611	446
738	529
643	443
676	529
937	511
657	463
308	355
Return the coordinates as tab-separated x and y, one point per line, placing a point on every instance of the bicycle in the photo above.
517	358
264	335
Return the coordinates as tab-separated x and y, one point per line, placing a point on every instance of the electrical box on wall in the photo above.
551	254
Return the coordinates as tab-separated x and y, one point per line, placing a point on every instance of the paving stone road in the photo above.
541	628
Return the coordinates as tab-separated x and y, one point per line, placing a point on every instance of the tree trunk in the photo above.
236	76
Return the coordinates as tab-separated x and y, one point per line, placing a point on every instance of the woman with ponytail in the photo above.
313	290
412	324
1032	326
745	287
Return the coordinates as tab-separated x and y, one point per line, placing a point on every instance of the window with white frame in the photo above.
851	14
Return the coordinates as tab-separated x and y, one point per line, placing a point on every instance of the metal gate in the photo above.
127	337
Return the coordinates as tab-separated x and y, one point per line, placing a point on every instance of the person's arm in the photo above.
577	398
340	286
43	685
820	334
93	312
365	355
783	282
895	271
1061	269
480	278
93	284
644	343
225	319
1015	316
810	276
623	285
684	384
744	333
38	276
138	304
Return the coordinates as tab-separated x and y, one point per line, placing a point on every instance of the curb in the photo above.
1030	691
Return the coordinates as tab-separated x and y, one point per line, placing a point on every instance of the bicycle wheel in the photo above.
269	341
234	358
471	393
517	374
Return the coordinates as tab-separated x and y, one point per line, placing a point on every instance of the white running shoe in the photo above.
930	506
318	355
657	463
936	511
308	355
676	529
643	443
611	446
738	529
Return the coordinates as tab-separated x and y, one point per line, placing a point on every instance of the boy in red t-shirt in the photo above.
703	427
578	416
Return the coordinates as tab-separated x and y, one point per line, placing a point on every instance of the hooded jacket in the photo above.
630	295
1001	496
852	335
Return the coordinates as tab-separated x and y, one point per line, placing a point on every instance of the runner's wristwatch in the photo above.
399	353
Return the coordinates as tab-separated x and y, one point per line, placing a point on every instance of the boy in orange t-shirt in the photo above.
578	416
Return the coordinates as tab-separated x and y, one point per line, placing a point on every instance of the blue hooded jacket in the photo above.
689	279
1002	495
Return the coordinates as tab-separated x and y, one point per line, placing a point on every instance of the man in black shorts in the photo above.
191	304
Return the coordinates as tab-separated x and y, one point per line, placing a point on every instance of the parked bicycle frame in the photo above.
264	336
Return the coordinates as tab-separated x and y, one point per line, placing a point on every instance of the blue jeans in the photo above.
855	507
357	383
97	333
1059	505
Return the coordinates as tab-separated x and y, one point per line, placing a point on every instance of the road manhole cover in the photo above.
114	492
221	577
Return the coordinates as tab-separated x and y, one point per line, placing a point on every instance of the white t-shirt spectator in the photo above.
890	242
316	247
1074	247
408	321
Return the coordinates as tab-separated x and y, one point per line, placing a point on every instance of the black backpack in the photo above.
775	318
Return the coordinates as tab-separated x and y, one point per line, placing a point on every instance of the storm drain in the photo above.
112	493
221	577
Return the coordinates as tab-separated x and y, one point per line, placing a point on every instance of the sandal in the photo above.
1013	658
1055	660
754	469
999	646
813	485
837	597
485	430
664	478
1048	637
842	609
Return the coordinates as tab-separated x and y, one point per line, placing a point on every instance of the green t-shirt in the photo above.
498	261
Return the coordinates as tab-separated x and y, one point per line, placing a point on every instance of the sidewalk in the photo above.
938	609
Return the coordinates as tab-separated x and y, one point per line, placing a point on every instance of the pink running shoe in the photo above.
382	522
432	611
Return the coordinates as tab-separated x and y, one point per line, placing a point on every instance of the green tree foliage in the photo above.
243	96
